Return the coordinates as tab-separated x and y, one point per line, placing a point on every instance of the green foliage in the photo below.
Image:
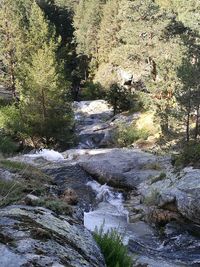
92	91
120	98
56	205
10	192
126	135
190	155
10	120
115	253
44	107
152	166
158	178
28	180
7	145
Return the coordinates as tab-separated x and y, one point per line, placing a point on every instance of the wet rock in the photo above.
176	246
36	237
75	178
91	127
95	124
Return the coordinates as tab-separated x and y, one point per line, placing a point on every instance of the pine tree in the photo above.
87	22
11	43
44	101
109	27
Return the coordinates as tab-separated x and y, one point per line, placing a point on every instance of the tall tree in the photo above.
45	101
87	23
11	43
109	28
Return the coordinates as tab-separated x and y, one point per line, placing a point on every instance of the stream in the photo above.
173	245
177	245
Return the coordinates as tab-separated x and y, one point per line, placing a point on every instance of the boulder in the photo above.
182	190
125	168
33	236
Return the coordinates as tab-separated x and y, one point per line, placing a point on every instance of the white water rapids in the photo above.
109	213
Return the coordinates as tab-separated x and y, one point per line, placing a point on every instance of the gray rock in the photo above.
31	199
36	237
122	167
95	124
7	176
183	190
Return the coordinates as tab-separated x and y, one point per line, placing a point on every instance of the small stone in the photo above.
31	199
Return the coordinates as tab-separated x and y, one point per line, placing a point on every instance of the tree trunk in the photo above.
188	118
197	123
188	126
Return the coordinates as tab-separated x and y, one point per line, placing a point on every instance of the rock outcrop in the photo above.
181	189
120	167
33	236
95	124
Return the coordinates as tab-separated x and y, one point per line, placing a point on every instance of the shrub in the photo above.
127	135
10	119
158	178
92	91
115	253
190	155
23	125
120	98
7	145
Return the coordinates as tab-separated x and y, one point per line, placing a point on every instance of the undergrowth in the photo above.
126	136
28	179
113	249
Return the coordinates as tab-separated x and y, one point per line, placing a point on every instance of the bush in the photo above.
92	91
7	145
57	128
190	155
127	135
10	120
115	253
120	98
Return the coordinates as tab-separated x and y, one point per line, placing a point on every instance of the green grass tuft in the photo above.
114	251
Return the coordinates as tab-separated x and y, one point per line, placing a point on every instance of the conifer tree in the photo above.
44	103
44	94
109	28
87	22
11	43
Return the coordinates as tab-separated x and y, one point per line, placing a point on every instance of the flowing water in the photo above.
177	245
109	212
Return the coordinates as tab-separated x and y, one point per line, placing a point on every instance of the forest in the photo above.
138	55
